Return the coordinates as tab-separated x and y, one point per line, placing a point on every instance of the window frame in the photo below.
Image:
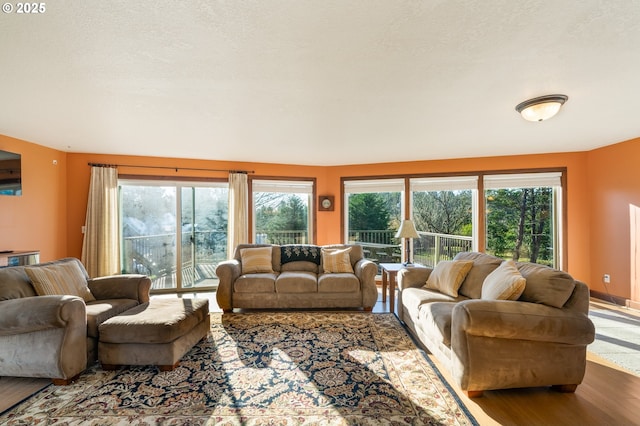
288	185
178	183
479	219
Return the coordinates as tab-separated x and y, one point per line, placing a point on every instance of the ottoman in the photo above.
158	333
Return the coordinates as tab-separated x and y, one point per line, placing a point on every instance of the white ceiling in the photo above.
319	82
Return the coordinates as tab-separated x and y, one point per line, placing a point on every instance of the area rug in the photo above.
296	368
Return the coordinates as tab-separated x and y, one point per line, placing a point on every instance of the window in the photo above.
520	218
282	211
444	211
523	216
374	210
175	232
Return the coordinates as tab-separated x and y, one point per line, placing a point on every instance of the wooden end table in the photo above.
389	272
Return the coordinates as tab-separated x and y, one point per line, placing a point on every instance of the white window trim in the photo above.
285	186
523	180
450	183
373	185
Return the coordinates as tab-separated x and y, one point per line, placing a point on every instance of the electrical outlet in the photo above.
606	278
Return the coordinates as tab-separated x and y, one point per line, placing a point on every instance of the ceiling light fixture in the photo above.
541	108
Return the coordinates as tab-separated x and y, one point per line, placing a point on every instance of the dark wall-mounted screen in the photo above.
10	173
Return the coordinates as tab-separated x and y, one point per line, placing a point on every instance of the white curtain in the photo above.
101	247
238	232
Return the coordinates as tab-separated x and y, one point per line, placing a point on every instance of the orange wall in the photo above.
36	219
79	176
614	190
50	215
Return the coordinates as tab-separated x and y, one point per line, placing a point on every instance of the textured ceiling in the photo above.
319	82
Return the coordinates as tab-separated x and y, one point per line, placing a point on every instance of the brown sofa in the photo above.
56	336
539	339
296	277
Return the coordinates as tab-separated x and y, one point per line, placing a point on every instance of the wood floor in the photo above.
15	389
608	395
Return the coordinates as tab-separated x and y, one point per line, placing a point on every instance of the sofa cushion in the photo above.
256	260
300	265
448	275
336	260
15	284
101	310
505	283
338	283
483	265
297	282
414	298
545	285
64	277
435	319
300	252
255	283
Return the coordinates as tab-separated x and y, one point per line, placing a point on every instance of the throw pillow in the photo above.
336	260
59	278
505	283
256	260
300	252
448	275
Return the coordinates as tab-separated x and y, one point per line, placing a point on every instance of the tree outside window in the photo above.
281	211
522	217
374	212
443	210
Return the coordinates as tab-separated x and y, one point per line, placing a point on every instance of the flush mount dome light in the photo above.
541	108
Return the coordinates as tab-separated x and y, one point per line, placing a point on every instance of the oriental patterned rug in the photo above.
290	368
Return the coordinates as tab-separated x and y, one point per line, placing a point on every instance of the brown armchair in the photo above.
56	335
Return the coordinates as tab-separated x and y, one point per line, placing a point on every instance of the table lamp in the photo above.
407	231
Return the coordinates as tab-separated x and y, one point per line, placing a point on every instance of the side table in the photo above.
389	272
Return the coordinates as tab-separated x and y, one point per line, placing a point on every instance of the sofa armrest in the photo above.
366	272
227	273
412	277
30	314
43	336
127	286
505	319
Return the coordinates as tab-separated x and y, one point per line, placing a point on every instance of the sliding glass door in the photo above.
174	232
204	234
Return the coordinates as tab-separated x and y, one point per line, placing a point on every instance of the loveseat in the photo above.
50	313
263	276
498	324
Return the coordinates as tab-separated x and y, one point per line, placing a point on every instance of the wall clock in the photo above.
325	203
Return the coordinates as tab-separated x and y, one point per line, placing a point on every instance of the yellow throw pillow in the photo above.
504	283
59	278
256	260
336	260
448	275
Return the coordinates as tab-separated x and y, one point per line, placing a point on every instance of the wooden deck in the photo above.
204	276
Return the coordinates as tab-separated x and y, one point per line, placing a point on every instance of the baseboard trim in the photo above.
610	298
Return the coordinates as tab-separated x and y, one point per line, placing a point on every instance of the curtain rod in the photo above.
170	168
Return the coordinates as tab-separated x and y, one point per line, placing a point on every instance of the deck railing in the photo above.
155	255
381	246
431	247
282	237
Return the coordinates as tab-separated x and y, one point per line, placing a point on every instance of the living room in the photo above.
60	181
421	90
